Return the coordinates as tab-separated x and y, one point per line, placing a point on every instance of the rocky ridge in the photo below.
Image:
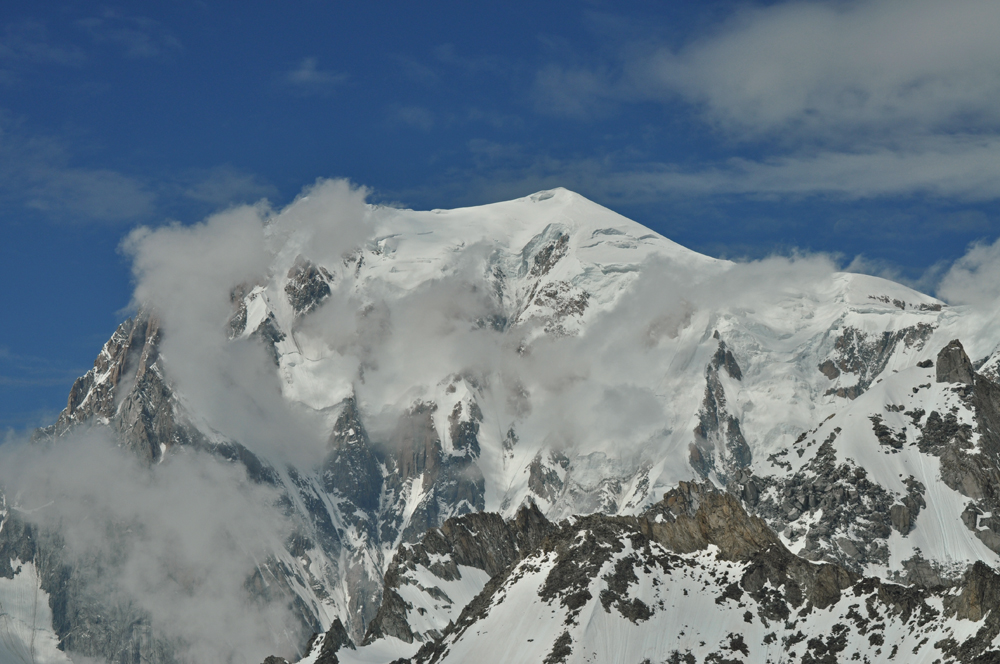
602	588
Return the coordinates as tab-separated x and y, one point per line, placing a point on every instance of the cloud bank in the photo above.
174	544
850	99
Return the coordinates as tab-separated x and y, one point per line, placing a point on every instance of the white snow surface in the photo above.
26	634
778	336
689	616
433	602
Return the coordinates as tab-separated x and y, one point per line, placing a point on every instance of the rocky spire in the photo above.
953	365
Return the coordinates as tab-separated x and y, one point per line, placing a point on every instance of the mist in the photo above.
176	541
386	342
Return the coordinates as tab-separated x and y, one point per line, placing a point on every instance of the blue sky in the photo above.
863	129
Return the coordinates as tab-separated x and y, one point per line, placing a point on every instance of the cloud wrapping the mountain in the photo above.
384	343
186	275
176	542
974	278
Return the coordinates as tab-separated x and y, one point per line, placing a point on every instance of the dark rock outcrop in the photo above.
352	469
856	511
448	481
866	356
773	586
482	540
693	516
690	518
954	366
323	648
719	445
126	390
969	466
308	285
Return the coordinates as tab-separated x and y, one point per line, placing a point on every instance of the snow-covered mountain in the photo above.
384	372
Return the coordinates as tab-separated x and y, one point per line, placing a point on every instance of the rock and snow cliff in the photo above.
545	358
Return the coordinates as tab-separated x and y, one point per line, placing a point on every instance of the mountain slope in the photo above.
385	370
697	579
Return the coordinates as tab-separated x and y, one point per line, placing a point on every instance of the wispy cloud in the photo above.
29	41
577	92
974	278
830	69
447	54
42	173
309	78
138	36
95	193
38	173
19	370
961	167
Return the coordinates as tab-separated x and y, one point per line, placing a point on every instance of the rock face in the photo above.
607	586
694	516
83	619
323	648
856	511
864	356
481	541
352	470
954	366
719	444
142	414
308	285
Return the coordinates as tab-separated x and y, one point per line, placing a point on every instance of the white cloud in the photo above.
974	278
961	167
855	99
176	542
186	275
822	67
